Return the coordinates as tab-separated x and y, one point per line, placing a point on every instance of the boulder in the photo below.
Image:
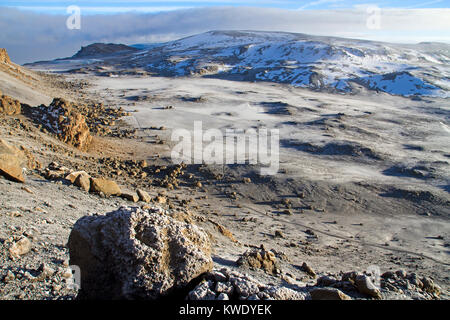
10	168
105	186
130	197
74	175
135	254
430	287
143	196
365	286
83	181
307	269
13	160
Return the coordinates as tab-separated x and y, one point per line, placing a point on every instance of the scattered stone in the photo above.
20	247
9	276
401	273
161	200
260	259
55	171
45	272
8	105
143	196
74	175
202	292
227	233
326	281
224	287
365	286
130	197
328	294
244	286
83	181
279	234
223	297
306	268
107	187
26	189
283	293
430	287
14	214
147	254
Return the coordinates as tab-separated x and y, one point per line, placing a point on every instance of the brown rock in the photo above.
328	294
24	156
10	168
260	259
227	233
107	187
430	287
20	247
4	58
64	119
161	200
9	106
143	195
306	268
130	197
74	175
83	181
13	160
365	286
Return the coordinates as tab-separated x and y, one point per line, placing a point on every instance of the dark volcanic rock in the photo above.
97	49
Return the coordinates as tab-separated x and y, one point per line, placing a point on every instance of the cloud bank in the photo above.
30	36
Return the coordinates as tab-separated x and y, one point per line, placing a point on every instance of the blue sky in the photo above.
115	6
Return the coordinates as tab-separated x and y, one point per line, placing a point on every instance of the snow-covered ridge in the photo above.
307	61
323	63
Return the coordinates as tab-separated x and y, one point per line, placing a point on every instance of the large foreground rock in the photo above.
135	254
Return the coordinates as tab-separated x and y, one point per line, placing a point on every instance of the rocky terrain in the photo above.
87	181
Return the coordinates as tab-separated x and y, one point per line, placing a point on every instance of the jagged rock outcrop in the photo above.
260	259
8	105
4	57
64	119
135	254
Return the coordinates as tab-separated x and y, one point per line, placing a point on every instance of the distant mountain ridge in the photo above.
316	62
100	49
